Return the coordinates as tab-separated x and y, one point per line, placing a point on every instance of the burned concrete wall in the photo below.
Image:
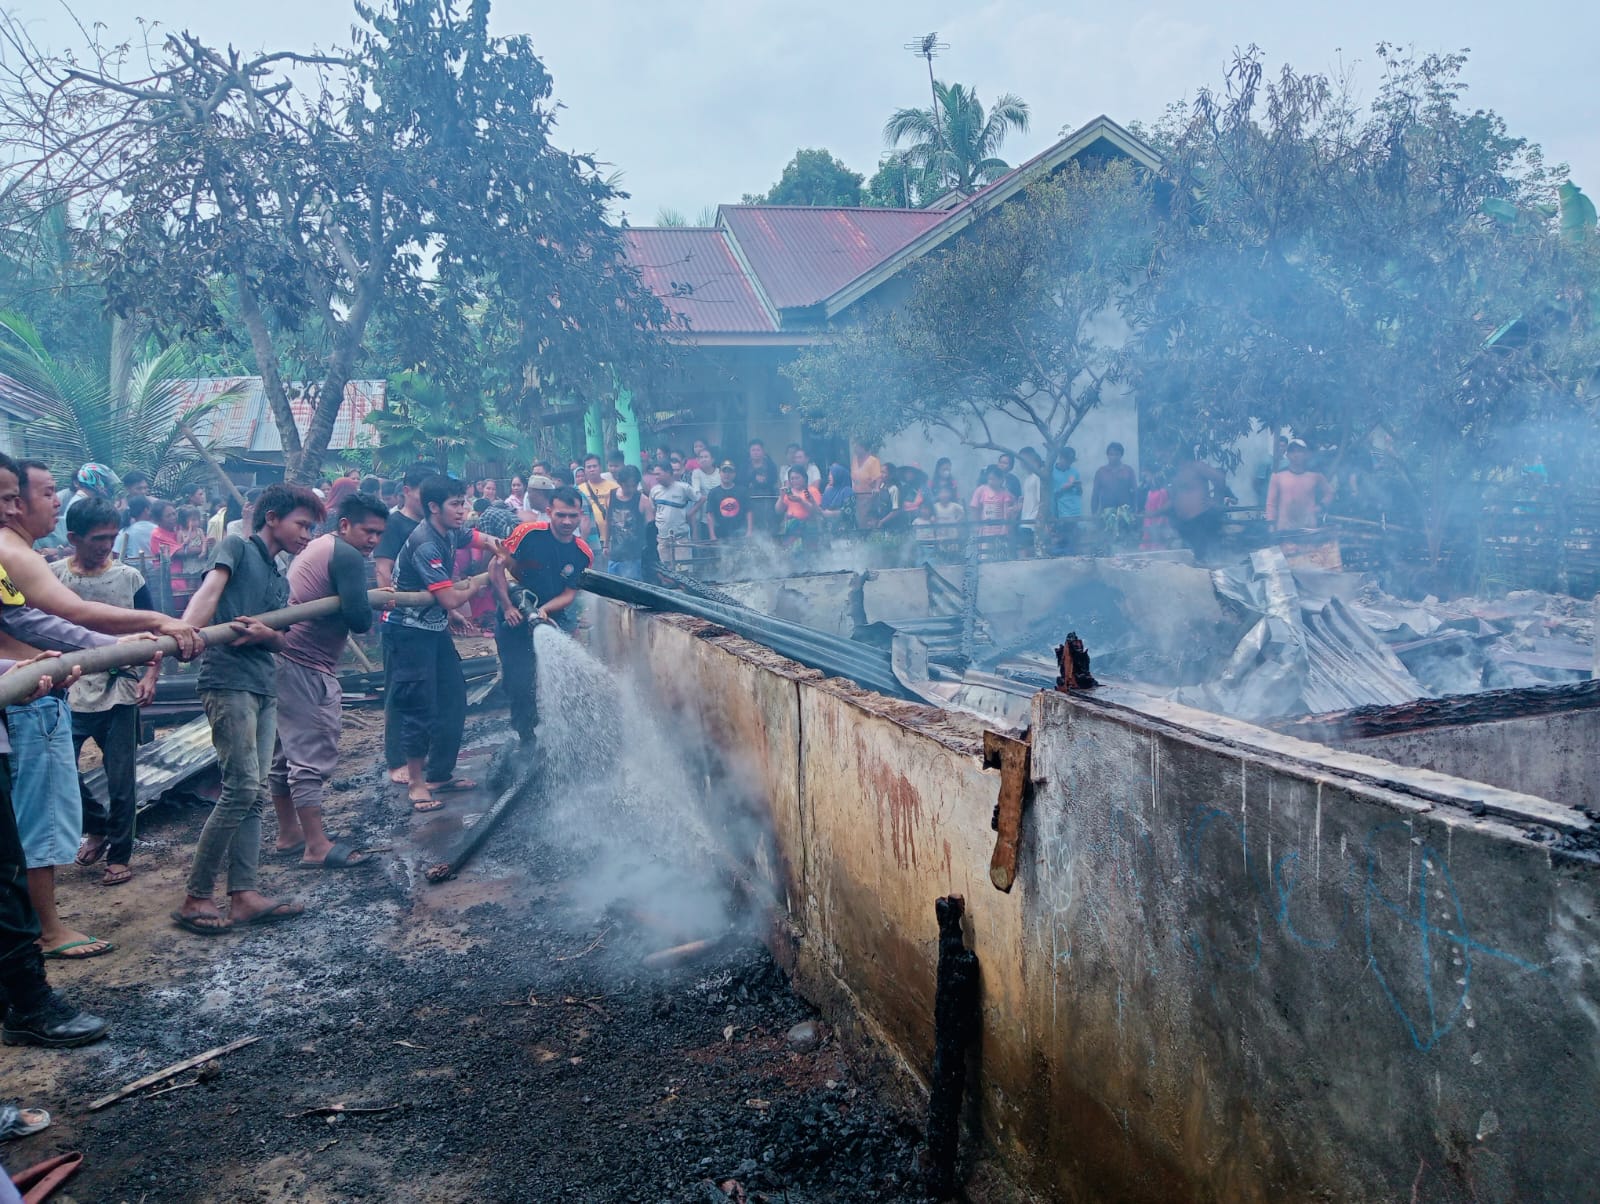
1542	740
1273	980
1236	966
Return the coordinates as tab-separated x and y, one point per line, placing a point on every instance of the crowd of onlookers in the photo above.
686	506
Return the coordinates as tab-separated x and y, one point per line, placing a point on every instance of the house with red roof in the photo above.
748	293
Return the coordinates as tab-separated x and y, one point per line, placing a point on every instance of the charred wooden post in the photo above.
1013	759
1073	660
955	1023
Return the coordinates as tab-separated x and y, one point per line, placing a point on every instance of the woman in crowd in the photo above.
838	499
943	475
799	507
166	541
519	489
993	508
192	527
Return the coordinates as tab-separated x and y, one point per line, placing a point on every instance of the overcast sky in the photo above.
701	101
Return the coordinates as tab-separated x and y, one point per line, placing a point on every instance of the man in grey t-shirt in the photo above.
238	688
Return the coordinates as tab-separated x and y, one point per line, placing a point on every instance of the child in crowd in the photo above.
992	504
105	706
948	515
1157	529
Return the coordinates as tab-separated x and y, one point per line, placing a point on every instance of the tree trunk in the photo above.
267	365
124	336
303	468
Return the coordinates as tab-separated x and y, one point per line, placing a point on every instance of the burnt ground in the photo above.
517	1055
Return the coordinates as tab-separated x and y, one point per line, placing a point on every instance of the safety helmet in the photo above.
97	478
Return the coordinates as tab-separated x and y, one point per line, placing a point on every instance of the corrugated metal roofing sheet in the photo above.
244	423
165	764
694	271
804	254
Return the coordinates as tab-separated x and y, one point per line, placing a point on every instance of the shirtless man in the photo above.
1199	493
45	791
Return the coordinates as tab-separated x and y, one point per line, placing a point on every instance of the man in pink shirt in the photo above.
1296	497
309	697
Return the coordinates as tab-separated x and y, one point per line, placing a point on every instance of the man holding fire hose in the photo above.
536	583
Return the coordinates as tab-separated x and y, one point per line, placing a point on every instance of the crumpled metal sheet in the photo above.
165	763
1304	655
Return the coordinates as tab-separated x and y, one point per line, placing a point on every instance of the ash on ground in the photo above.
501	1027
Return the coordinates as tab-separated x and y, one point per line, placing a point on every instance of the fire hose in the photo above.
14	687
836	656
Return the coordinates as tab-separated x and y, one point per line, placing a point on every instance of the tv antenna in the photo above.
928	47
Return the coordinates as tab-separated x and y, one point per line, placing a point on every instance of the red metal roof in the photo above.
244	421
694	271
803	254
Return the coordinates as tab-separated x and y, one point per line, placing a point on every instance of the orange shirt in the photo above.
794	508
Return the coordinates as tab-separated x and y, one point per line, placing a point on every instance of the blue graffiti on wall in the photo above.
1428	929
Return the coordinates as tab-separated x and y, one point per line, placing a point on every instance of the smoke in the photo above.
639	796
761	559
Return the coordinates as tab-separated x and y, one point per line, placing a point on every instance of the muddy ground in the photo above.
508	1054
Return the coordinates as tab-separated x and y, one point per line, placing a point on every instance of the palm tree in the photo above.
82	418
954	144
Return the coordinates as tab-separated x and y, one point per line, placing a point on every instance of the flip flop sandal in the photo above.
38	1182
194	924
275	914
90	851
453	786
18	1122
424	805
293	850
343	856
63	953
116	877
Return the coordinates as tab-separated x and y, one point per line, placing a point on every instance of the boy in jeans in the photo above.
239	690
105	706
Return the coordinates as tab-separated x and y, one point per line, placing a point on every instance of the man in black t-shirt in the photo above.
729	514
761	486
629	514
402	522
420	659
546	560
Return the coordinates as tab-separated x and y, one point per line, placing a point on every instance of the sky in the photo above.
700	102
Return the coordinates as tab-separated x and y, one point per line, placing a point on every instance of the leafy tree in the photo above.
46	275
1333	268
893	185
1015	323
84	417
813	177
955	144
410	179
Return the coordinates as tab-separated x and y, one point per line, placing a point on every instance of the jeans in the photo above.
45	795
243	728
519	675
430	697
633	570
116	731
22	981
